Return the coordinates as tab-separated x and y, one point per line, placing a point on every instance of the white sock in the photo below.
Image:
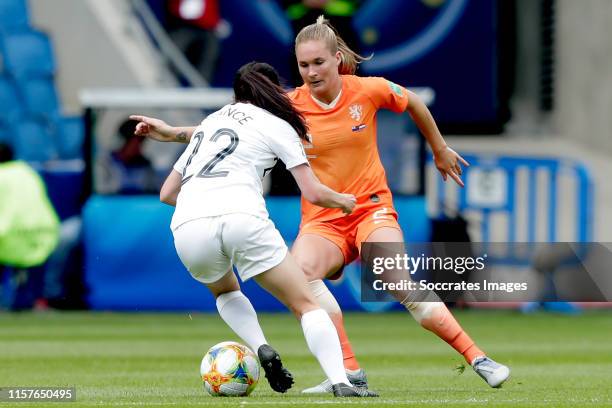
326	300
323	342
237	311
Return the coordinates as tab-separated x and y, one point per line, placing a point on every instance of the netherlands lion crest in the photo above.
355	111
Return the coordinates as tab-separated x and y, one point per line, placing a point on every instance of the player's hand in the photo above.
153	128
447	162
347	203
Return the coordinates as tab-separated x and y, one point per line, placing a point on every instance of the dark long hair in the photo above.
258	83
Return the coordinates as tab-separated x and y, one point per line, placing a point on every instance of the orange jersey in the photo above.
342	151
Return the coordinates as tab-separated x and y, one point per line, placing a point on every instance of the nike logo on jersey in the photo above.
358	127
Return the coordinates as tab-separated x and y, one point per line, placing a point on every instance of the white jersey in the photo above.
226	160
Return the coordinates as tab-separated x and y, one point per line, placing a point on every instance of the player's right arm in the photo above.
159	130
318	193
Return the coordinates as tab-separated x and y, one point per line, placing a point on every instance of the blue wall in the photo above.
131	263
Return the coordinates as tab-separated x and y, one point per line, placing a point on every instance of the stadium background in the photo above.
517	79
503	67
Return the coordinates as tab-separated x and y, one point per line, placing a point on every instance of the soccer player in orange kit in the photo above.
340	110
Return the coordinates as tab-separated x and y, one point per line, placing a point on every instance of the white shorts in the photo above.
209	246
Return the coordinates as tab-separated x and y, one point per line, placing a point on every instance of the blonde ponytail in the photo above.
322	30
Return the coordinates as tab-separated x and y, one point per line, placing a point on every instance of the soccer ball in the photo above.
229	369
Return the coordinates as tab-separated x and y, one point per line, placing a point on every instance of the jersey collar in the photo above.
327	106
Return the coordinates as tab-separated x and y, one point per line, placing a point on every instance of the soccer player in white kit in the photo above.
221	218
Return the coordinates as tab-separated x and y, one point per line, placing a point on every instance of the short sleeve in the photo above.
286	145
386	94
181	163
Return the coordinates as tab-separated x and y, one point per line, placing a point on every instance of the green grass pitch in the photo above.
153	360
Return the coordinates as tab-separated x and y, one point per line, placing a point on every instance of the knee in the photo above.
312	267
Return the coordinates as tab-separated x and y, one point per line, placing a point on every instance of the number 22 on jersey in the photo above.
207	169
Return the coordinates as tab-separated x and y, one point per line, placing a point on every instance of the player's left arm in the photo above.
446	159
171	188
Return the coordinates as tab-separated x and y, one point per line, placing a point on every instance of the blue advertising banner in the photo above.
131	263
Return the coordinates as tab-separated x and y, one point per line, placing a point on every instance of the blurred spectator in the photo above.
130	170
339	12
63	286
29	227
196	26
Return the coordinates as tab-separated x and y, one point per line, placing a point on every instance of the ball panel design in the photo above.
229	369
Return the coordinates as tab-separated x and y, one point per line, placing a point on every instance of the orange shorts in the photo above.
348	233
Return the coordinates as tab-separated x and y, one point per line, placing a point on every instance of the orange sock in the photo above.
441	322
350	362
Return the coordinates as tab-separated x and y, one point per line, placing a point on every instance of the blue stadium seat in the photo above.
27	54
39	96
11	106
70	137
34	141
13	15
